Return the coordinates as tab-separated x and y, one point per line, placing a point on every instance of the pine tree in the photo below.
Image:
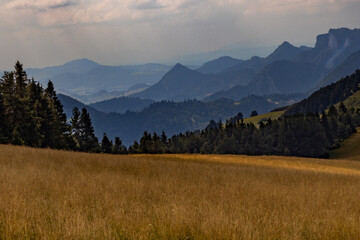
88	141
253	113
59	126
118	147
75	126
21	80
106	145
7	89
3	121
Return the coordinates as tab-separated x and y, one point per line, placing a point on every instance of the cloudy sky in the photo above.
50	32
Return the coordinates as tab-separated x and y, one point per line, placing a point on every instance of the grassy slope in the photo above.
349	149
50	194
255	120
352	101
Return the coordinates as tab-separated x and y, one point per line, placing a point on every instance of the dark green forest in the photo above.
308	135
33	116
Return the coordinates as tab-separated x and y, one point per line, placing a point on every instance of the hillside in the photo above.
286	77
65	195
263	117
349	149
331	94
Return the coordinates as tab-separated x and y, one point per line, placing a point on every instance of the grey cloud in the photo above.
40	5
148	5
64	4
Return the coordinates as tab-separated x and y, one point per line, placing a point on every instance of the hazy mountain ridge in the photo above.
122	105
86	77
286	77
345	68
218	65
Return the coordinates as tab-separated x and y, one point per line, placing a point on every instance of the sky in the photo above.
43	33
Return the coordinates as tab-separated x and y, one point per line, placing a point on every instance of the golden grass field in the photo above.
47	194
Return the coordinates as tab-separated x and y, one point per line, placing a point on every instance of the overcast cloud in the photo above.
48	32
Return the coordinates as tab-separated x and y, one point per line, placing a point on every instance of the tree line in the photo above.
33	116
310	135
324	97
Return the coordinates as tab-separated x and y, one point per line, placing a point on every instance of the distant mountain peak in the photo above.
285	46
286	51
82	61
179	67
218	65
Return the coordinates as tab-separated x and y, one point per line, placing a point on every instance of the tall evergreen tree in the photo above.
21	80
106	145
59	126
3	121
88	141
75	125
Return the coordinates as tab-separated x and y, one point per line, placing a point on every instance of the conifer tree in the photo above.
7	89
253	113
59	126
118	147
106	145
88	141
21	80
75	126
3	121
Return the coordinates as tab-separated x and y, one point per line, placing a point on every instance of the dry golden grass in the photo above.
350	148
48	194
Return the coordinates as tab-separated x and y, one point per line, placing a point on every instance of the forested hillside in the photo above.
297	135
326	96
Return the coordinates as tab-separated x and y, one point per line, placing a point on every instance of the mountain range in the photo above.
287	70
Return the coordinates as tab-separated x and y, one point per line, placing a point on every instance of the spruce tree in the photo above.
59	126
88	141
106	145
118	147
21	80
75	125
253	113
3	121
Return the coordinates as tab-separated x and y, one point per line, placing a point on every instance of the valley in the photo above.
179	120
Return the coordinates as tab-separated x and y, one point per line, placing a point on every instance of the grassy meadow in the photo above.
255	120
47	194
